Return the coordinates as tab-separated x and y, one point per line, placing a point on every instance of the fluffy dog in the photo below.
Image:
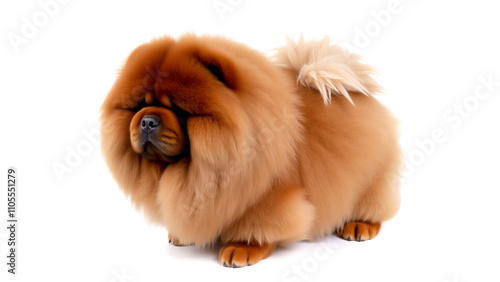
216	141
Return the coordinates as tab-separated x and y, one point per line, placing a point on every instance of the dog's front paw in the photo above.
240	254
172	240
359	231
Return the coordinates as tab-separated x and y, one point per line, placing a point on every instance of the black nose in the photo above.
150	123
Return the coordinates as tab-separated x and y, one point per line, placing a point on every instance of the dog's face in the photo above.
170	94
158	129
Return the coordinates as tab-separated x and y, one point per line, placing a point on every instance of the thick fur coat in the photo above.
216	141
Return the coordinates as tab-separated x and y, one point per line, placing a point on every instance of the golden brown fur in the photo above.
262	160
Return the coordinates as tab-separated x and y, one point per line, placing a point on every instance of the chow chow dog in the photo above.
220	143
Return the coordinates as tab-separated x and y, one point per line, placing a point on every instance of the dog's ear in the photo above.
220	66
137	76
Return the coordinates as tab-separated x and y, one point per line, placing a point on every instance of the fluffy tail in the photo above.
328	68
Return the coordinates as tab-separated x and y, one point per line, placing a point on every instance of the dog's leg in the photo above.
283	215
380	203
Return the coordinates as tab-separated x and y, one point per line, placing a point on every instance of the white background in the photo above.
431	57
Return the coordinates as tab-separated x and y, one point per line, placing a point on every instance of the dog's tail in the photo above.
330	69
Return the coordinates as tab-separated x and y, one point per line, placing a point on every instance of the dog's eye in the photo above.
181	114
217	72
135	108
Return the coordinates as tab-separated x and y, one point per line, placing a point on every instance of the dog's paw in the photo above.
239	255
172	240
359	231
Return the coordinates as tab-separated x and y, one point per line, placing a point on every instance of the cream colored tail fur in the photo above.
330	69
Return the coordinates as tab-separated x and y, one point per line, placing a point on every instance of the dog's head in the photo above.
168	93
